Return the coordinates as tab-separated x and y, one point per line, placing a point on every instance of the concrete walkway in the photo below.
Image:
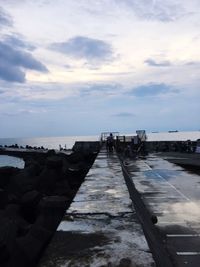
173	195
100	228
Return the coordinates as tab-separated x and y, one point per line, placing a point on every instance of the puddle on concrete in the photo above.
180	202
98	240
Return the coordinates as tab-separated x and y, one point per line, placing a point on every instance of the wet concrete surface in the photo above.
101	227
173	195
190	161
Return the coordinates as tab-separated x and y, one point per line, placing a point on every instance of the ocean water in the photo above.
48	142
11	161
54	142
174	136
68	141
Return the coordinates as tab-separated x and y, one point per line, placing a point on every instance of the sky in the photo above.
84	67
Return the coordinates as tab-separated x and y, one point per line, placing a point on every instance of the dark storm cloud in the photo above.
14	62
81	47
17	41
11	73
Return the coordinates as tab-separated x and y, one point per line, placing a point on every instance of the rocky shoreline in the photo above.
33	200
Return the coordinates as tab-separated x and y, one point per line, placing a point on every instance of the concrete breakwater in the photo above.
33	200
184	153
101	228
171	193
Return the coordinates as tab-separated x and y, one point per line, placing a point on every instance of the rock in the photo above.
51	152
12	212
54	162
25	180
47	181
52	210
63	189
17	258
22	183
66	166
75	176
8	233
75	157
29	203
13	199
3	198
154	219
4	253
33	244
5	174
32	167
31	199
89	156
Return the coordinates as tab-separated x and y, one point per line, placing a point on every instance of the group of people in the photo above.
135	147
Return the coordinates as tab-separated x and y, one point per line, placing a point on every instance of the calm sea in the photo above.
54	142
48	142
68	142
11	161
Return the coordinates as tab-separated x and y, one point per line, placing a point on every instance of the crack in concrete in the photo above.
79	214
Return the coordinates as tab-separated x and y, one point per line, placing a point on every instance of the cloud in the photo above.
5	19
150	90
192	63
11	73
122	73
164	11
80	47
21	112
14	62
53	91
152	62
100	90
41	91
17	41
124	114
67	66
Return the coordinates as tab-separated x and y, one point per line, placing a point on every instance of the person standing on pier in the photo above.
110	143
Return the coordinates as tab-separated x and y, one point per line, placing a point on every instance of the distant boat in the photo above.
173	131
176	136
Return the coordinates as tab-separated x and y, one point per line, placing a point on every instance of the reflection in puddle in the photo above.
180	203
111	191
189	211
160	174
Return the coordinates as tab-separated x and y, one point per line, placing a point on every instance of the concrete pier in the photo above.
101	227
173	195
